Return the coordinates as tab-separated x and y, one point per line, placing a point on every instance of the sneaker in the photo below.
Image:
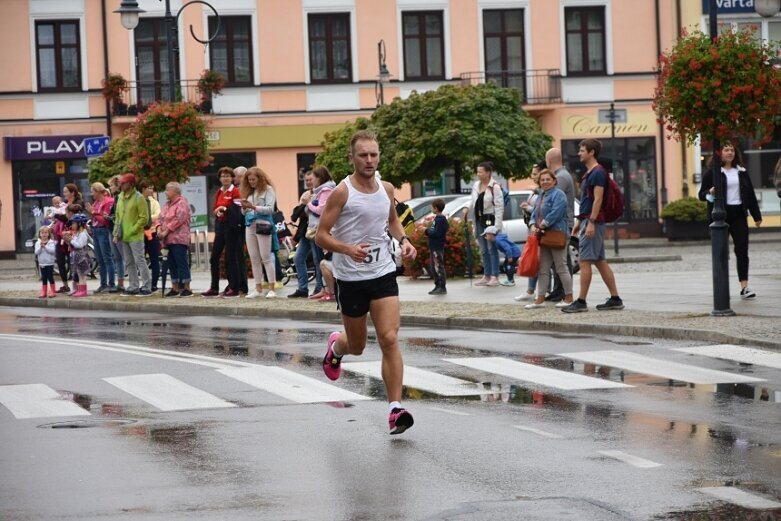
143	292
154	288
399	420
525	296
115	289
555	297
298	294
64	289
101	289
434	291
438	291
254	294
492	282
229	293
332	364
508	283
611	303
185	293
747	294
129	293
172	293
210	293
579	306
534	305
271	294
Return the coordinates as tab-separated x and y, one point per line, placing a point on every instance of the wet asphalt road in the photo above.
518	450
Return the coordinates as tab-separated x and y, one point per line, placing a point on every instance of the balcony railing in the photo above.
537	86
140	94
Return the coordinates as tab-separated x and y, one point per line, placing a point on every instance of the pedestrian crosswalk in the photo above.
451	377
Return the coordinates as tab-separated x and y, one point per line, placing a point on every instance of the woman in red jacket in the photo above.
227	204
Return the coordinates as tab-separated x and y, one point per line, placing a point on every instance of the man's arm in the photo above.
599	192
396	229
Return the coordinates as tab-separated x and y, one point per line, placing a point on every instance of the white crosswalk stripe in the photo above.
740	497
647	365
744	355
535	373
290	385
422	379
37	401
635	461
166	392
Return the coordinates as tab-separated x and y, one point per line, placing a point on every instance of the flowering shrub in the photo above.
727	88
455	251
170	144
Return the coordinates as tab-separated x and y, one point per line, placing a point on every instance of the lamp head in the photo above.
767	8
129	12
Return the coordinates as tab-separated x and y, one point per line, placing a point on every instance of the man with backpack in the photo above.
597	195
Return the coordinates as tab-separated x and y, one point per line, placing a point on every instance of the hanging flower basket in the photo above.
170	143
728	88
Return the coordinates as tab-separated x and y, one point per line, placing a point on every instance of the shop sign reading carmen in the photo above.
582	125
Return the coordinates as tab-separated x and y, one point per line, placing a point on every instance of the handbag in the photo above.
487	219
553	239
530	258
263	227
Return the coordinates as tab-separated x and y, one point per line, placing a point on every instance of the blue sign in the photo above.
729	6
96	146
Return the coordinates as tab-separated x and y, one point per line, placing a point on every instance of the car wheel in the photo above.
574	253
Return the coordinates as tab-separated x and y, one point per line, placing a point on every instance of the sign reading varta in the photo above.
45	147
729	6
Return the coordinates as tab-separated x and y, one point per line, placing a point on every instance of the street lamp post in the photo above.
719	228
129	13
384	76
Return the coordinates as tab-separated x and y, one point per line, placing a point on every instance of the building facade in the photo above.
297	69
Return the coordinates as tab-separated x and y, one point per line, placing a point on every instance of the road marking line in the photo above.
290	385
635	461
37	401
745	355
162	354
544	434
417	378
166	392
740	497
448	411
535	373
647	365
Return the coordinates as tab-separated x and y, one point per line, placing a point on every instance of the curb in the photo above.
448	322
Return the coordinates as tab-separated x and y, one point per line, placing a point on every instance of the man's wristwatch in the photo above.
401	240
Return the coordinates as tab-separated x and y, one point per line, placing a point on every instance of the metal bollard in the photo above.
197	244
206	249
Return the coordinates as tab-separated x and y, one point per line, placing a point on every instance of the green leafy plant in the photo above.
452	127
687	209
210	83
169	143
728	88
455	251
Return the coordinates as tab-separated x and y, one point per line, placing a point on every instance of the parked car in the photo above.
421	206
513	224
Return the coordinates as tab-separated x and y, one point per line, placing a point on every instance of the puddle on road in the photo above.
725	512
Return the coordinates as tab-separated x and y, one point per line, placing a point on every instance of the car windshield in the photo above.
421	206
455	206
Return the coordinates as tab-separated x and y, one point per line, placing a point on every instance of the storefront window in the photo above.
35	183
633	163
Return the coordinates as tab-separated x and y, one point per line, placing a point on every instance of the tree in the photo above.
451	127
117	160
337	145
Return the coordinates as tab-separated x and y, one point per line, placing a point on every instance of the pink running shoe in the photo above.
332	364
399	420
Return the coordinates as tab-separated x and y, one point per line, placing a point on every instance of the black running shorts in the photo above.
354	296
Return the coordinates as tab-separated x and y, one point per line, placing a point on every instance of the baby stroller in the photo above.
286	258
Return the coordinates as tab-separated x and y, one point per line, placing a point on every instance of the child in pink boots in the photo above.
46	251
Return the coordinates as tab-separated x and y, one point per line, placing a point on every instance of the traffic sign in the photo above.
95	146
612	116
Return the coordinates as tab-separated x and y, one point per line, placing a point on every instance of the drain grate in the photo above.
85	424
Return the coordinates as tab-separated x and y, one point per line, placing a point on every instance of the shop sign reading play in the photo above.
45	147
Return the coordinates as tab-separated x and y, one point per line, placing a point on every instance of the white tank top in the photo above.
364	220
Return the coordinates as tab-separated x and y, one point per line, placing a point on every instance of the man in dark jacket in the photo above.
299	215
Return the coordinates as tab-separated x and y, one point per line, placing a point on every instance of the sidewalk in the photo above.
667	289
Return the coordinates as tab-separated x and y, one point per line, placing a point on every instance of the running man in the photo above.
355	226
